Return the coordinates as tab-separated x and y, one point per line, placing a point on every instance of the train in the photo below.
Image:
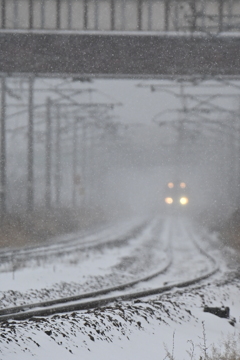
177	194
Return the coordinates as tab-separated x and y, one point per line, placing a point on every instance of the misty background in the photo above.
104	150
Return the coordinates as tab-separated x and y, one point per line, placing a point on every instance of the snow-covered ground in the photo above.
143	328
129	256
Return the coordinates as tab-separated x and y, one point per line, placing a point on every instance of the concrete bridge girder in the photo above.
119	54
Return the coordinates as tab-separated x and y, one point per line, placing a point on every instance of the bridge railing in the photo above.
123	15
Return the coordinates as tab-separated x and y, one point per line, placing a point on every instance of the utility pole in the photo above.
74	164
87	164
238	157
48	154
232	161
58	157
30	148
92	160
3	146
84	162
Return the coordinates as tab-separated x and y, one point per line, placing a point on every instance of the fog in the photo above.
104	150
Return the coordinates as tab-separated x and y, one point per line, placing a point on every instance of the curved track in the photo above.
75	242
182	240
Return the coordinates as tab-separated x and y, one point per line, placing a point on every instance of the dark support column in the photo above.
166	15
58	14
3	14
194	15
112	14
139	12
30	147
48	154
85	14
42	14
69	18
30	13
3	147
220	16
96	15
150	17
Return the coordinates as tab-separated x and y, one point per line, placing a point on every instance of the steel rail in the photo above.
68	245
24	308
167	250
24	312
105	301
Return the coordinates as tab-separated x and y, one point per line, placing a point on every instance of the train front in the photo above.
176	196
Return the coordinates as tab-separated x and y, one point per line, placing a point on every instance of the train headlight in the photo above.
170	185
183	200
182	185
168	200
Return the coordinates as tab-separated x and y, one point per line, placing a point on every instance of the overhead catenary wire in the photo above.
70	103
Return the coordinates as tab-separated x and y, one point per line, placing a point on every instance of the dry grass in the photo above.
230	230
23	229
228	349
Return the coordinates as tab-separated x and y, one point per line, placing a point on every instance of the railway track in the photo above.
123	292
149	232
74	243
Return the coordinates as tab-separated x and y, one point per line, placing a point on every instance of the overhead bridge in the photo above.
97	38
118	54
121	38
